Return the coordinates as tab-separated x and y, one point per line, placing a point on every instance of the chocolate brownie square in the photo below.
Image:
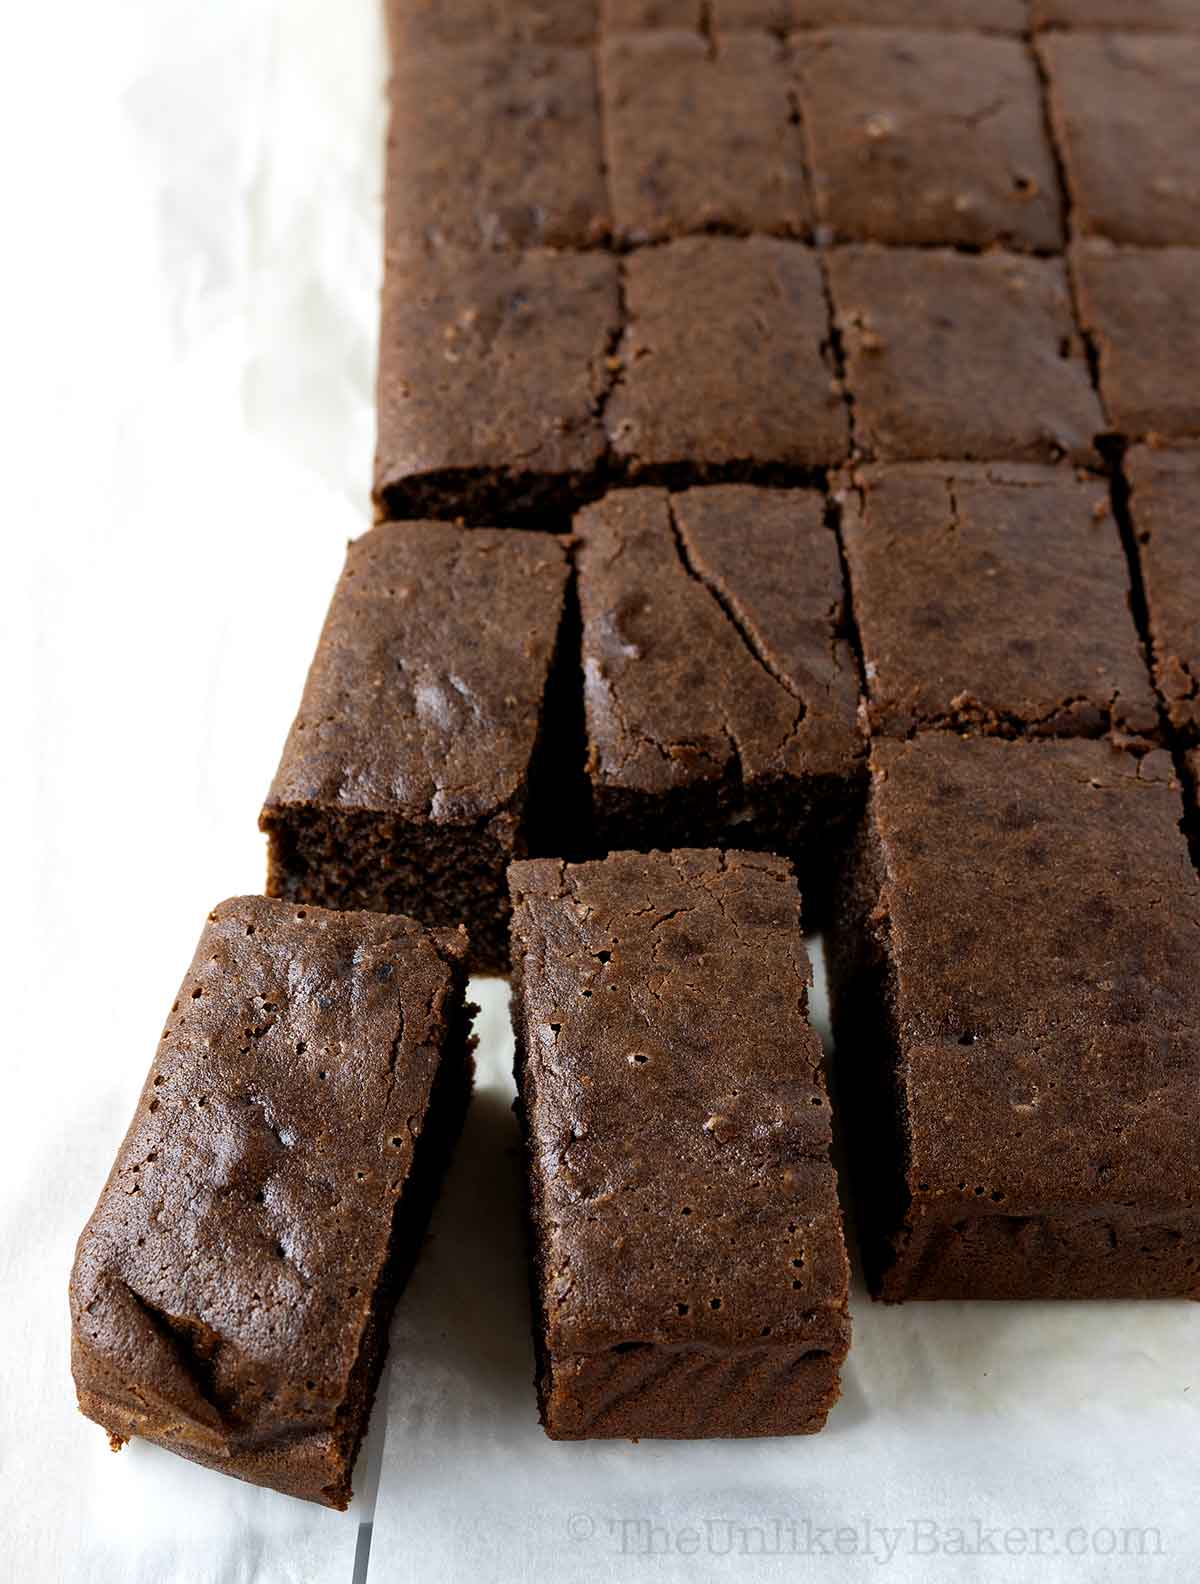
1141	309
993	597
1165	508
232	1291
719	686
406	777
688	1268
492	374
701	139
416	24
495	146
958	355
1181	16
1126	114
1018	1023
923	137
725	367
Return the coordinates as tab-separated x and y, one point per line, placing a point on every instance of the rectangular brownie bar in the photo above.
407	774
995	598
232	1291
689	1273
1018	1023
415	24
720	687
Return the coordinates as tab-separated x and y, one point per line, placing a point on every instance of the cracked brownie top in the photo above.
680	1150
713	639
993	597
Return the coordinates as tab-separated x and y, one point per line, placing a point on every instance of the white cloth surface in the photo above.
189	310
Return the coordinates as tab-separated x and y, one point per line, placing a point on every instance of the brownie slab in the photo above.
232	1291
1126	114
1018	1023
492	145
1165	507
1141	309
406	776
492	373
688	1267
719	686
919	137
699	140
994	598
962	356
415	24
724	362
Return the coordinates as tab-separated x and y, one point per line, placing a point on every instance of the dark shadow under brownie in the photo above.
232	1291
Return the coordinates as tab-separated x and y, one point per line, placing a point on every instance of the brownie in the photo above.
922	137
1181	16
493	371
496	146
725	367
719	686
960	355
699	140
406	776
1141	310
994	598
1018	1023
415	24
617	16
688	1267
1003	16
232	1291
1165	508
1126	114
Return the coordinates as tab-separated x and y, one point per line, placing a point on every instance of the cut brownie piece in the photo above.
1126	114
923	137
492	373
689	1273
1001	16
993	597
699	140
415	24
1181	16
1141	309
1018	1023
1165	506
496	146
232	1291
406	775
720	690
724	362
955	355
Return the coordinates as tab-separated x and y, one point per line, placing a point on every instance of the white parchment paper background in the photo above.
189	273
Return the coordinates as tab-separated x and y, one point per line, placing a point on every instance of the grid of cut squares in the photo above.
697	153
